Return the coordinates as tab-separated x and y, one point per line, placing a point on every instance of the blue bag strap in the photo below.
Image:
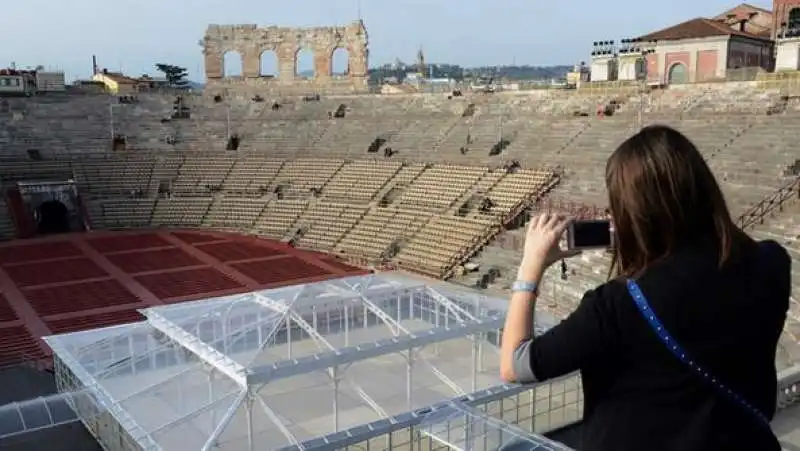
675	348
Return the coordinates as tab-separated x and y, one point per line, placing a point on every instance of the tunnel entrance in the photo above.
52	216
47	207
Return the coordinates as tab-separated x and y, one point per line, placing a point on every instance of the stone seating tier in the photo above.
590	269
324	204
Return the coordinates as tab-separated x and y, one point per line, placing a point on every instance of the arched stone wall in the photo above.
251	42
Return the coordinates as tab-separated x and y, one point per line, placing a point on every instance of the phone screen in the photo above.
591	234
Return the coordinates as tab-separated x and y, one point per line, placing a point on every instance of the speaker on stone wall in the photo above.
233	142
119	142
340	111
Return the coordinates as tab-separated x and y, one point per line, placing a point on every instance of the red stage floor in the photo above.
74	282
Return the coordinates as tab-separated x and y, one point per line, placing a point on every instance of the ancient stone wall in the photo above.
251	42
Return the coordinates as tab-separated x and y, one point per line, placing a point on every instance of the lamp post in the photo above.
641	49
111	124
643	86
228	121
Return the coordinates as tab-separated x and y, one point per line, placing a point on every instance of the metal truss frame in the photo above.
321	342
205	352
396	328
335	362
329	359
102	398
351	354
474	418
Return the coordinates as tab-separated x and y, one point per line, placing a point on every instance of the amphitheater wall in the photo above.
251	43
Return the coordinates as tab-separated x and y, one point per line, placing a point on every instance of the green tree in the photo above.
175	75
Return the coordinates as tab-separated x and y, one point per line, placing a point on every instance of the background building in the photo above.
705	49
116	83
736	44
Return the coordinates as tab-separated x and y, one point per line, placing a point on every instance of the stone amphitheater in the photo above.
325	181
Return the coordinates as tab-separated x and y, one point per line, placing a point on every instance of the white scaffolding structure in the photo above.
280	367
460	427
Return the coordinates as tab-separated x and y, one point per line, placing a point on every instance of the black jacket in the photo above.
640	397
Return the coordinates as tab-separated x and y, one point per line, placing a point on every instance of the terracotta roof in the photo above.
696	29
757	8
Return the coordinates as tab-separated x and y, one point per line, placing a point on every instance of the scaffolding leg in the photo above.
212	414
288	337
251	443
410	379
475	363
335	373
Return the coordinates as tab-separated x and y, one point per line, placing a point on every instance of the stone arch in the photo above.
340	62
304	64
232	64
269	64
677	74
249	41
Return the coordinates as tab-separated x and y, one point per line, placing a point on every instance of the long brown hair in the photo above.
663	197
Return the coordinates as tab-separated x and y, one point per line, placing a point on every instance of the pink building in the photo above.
705	49
741	39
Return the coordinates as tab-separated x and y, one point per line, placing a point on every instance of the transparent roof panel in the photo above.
464	428
185	377
251	328
22	417
157	383
376	388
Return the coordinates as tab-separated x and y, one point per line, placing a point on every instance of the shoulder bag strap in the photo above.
675	348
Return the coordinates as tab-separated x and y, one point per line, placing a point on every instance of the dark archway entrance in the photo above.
52	217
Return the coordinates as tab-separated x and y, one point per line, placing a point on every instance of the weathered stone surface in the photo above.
251	42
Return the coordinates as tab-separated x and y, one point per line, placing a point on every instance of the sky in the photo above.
133	35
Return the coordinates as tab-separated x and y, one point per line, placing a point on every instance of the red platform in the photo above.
74	282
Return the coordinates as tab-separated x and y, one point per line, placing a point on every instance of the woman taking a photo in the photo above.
677	349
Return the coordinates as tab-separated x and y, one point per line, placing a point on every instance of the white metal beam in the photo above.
223	424
396	328
352	354
236	334
320	341
277	421
202	350
457	310
304	304
199	411
359	434
473	426
104	398
192	366
276	326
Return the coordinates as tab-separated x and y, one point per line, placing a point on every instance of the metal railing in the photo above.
755	214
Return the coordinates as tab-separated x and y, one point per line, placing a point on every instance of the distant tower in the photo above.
421	67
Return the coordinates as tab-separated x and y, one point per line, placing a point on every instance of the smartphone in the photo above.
590	234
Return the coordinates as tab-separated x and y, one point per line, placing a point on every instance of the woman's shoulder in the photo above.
608	294
775	265
775	253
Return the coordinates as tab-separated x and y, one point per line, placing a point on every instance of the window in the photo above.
16	82
5	82
794	19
